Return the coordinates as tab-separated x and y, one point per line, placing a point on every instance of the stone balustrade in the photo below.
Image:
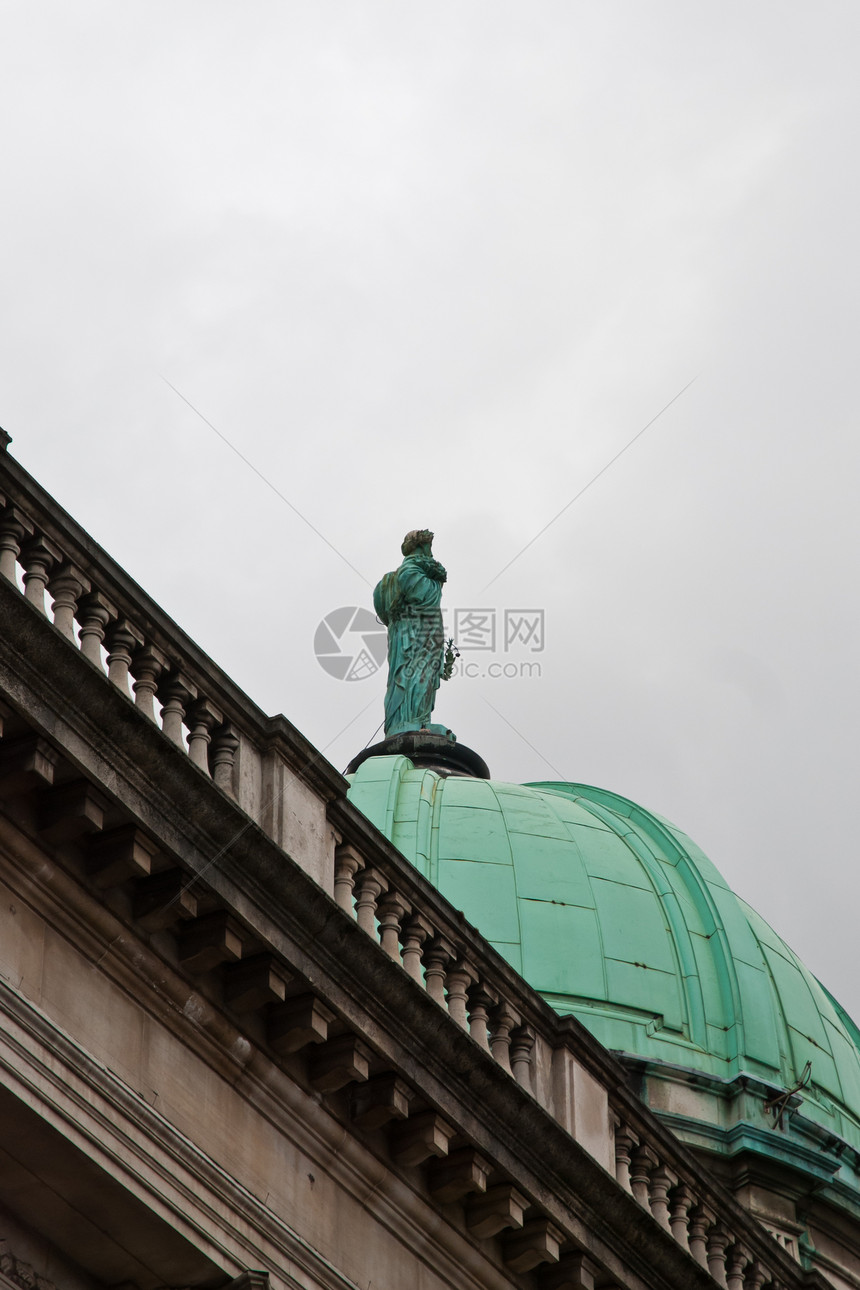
696	1220
117	635
141	653
438	953
258	760
115	632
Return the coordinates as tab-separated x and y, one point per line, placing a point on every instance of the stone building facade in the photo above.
245	1041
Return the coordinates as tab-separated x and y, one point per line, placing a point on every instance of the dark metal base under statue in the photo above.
432	751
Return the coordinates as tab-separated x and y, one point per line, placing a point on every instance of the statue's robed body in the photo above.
407	601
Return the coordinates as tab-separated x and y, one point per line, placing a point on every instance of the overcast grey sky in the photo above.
436	264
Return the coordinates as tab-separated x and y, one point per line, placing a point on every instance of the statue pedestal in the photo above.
429	749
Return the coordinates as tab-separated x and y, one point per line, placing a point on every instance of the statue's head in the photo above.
415	538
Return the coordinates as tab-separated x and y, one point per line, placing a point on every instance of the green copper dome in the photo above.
617	917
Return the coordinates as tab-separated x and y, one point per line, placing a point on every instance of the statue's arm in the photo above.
380	600
415	587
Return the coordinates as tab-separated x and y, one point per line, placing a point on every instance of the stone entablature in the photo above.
386	1011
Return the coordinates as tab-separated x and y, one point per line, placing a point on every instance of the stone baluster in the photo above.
662	1179
370	885
626	1142
737	1261
481	1000
718	1242
202	720
755	1276
642	1164
391	911
225	745
503	1020
522	1050
415	932
680	1202
146	667
347	863
121	640
38	558
701	1219
66	588
437	955
175	694
460	977
93	615
13	528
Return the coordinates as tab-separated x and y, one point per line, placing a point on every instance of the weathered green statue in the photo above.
407	601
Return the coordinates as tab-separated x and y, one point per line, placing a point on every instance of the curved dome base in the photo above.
428	750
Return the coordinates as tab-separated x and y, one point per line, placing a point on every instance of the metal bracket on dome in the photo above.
778	1105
